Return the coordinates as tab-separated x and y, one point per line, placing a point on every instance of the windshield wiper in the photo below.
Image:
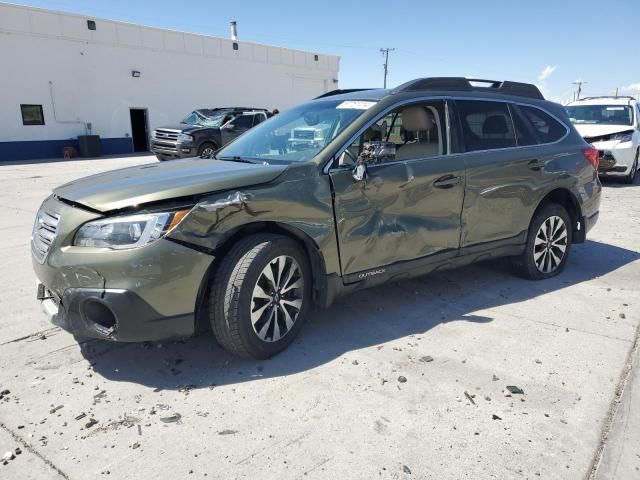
237	159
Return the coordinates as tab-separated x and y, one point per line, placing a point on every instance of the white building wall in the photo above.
89	73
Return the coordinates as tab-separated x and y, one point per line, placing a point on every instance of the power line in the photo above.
385	52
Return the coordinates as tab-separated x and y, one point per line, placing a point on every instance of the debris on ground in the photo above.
135	445
622	315
514	390
495	417
495	378
355	362
538	361
186	388
426	359
227	432
406	470
90	423
402	379
55	409
172	419
469	397
81	416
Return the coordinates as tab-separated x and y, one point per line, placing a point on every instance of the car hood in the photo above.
591	130
163	181
184	127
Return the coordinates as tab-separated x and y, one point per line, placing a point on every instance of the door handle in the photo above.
448	181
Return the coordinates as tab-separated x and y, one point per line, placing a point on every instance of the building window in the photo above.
315	57
235	45
32	115
91	24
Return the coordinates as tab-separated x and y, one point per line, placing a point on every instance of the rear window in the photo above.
486	125
547	128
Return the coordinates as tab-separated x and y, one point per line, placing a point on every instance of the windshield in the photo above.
298	134
601	114
197	117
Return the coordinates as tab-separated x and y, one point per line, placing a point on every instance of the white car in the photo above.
612	125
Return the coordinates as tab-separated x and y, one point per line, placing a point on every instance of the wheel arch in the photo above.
568	200
320	283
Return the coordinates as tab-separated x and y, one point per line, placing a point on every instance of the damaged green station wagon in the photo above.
350	190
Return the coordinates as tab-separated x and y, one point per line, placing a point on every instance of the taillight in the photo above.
592	155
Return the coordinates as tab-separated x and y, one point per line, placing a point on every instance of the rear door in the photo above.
506	173
409	207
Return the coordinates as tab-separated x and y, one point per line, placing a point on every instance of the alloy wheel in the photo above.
277	298
206	152
550	244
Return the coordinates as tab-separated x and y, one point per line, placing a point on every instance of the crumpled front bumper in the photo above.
112	314
615	158
148	293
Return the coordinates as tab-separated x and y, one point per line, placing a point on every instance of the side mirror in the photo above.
359	173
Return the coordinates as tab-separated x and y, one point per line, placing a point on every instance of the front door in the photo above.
236	127
409	206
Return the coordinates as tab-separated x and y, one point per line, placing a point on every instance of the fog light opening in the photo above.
100	315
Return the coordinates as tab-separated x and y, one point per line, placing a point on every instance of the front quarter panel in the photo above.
300	198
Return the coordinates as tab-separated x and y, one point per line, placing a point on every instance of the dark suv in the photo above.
203	131
383	185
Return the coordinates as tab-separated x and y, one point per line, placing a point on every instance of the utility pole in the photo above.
385	52
579	83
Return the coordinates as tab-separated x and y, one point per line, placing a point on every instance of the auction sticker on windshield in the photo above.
356	105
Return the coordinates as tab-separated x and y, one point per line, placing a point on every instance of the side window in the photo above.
547	128
525	134
409	132
257	118
638	115
486	125
243	121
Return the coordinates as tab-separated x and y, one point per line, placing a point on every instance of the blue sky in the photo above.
551	43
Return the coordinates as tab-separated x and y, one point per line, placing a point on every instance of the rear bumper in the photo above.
110	314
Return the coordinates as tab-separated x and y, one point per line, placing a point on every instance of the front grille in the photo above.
306	134
170	135
45	229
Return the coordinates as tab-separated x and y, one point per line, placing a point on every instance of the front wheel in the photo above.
260	296
206	150
548	244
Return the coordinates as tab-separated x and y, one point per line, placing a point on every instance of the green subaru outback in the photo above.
350	190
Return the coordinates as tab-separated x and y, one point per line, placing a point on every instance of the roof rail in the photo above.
341	91
471	85
628	97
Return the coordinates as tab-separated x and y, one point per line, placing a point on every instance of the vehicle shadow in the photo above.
360	320
619	183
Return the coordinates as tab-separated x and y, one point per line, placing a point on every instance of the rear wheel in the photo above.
548	244
634	169
260	296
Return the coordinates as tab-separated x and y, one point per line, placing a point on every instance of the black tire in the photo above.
629	179
231	301
161	158
525	264
207	148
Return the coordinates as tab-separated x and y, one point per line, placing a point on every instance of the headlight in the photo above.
133	231
622	137
184	138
